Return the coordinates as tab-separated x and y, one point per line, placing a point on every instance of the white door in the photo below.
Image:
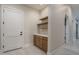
13	28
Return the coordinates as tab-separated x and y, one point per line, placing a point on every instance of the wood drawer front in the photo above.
45	42
46	38
40	43
37	40
34	39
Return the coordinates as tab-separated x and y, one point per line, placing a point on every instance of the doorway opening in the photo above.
77	37
66	28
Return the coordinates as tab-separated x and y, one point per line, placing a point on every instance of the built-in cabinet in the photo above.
41	42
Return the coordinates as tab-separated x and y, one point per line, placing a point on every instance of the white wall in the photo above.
44	12
70	24
31	18
31	21
0	26
56	27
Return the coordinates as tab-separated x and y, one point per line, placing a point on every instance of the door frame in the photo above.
65	24
2	19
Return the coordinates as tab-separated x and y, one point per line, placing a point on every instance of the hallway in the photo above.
71	48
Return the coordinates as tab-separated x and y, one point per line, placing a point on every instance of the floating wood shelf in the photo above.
43	23
44	18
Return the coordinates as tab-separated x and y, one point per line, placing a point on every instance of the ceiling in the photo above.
37	6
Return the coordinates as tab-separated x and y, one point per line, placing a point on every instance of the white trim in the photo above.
2	27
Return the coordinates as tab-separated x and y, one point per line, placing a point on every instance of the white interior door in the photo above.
13	28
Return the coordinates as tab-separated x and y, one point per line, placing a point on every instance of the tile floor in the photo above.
31	50
71	48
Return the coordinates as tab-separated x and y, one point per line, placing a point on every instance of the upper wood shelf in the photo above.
44	18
